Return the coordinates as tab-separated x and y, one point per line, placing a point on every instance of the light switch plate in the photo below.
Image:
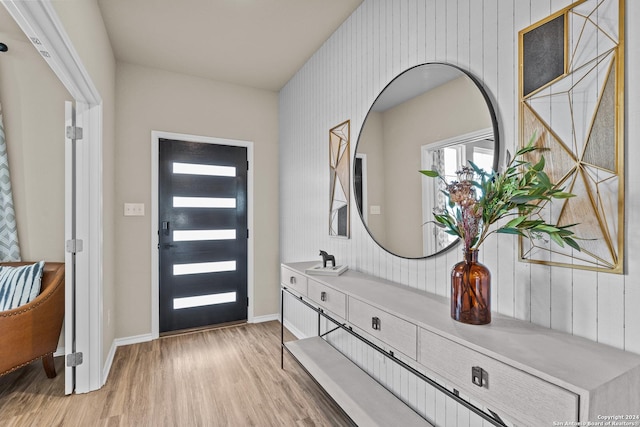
134	209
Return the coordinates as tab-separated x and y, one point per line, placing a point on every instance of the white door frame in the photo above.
39	21
155	264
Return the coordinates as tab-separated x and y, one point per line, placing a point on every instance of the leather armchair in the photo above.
31	331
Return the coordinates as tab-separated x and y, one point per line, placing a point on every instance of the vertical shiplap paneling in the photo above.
506	74
489	78
585	304
451	25
632	183
381	39
611	309
440	37
522	270
463	33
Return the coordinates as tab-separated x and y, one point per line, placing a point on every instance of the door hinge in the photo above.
74	246
247	301
247	233
247	164
74	359
74	132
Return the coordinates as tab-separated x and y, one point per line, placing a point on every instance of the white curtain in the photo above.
9	248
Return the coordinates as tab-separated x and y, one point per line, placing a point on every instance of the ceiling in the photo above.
255	43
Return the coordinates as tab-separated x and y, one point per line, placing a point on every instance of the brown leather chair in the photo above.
30	332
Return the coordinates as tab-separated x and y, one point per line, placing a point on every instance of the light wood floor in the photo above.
221	377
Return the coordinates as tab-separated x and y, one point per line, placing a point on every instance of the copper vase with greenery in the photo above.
476	201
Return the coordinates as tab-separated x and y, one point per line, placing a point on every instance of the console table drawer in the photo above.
327	298
293	280
501	387
386	327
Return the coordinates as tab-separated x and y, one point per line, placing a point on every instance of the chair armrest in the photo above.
32	330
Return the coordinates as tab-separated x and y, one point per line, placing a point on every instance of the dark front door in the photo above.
202	234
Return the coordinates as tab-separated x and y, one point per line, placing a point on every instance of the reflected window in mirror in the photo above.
448	157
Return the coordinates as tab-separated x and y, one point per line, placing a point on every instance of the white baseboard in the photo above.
107	363
136	339
295	331
59	352
266	318
118	342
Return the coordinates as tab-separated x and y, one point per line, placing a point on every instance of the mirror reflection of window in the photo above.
448	157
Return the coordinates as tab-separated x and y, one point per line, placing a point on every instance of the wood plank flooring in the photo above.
221	377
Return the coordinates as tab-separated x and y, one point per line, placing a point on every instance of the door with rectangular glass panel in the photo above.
202	234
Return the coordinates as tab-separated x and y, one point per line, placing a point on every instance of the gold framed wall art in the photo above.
571	85
340	178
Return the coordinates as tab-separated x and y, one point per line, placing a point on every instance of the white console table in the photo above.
532	375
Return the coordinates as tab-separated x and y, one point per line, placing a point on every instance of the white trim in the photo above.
265	318
68	258
155	280
40	23
119	342
59	352
460	139
109	362
135	339
295	331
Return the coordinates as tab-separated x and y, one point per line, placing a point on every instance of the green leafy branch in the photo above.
518	192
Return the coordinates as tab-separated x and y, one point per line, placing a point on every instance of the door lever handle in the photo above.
165	227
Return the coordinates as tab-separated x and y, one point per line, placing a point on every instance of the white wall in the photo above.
383	38
33	99
150	99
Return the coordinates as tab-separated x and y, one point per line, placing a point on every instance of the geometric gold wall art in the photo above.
572	99
340	178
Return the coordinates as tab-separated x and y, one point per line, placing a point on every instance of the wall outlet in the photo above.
134	209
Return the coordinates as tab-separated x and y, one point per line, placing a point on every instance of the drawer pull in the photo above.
323	296
292	280
375	323
478	376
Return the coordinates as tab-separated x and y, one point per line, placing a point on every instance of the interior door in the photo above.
202	234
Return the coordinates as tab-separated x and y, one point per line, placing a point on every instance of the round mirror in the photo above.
432	116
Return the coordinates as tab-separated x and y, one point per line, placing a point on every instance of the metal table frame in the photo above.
492	418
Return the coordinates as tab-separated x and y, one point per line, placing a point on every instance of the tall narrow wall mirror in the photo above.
432	116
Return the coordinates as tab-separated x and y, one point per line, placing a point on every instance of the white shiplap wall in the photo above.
381	39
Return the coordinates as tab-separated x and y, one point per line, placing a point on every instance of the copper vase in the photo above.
471	290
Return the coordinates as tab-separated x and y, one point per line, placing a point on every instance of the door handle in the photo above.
375	323
478	376
323	296
165	227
